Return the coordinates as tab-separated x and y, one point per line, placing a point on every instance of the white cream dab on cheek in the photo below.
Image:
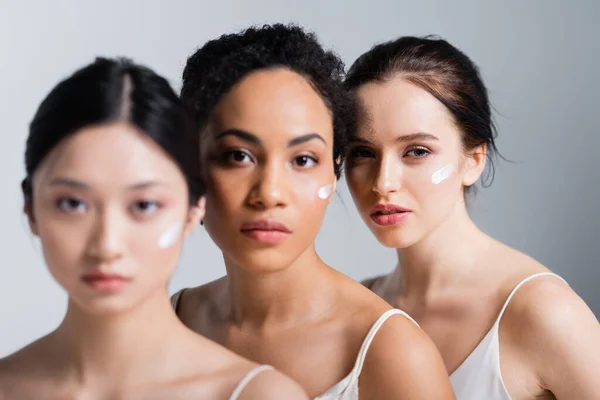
325	191
442	174
170	236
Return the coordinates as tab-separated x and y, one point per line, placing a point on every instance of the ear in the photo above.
28	210
474	164
195	215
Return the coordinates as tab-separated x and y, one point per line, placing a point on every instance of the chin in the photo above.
394	238
394	241
104	307
266	260
399	236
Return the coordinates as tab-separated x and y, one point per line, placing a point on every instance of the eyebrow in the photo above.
417	136
246	136
404	138
73	183
249	137
68	182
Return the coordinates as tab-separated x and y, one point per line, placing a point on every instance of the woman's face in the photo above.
271	169
111	209
406	168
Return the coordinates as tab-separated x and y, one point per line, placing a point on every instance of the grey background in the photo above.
539	60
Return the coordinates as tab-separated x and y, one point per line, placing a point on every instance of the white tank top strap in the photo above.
347	388
247	378
479	376
362	354
524	281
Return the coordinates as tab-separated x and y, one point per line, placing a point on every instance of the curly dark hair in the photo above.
221	63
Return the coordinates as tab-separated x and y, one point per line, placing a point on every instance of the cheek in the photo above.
156	246
360	182
426	191
441	174
62	244
149	240
426	176
436	190
225	193
311	196
312	191
170	236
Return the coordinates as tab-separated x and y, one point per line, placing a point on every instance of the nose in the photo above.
106	240
269	190
388	176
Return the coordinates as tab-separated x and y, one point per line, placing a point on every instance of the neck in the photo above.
285	298
113	348
443	259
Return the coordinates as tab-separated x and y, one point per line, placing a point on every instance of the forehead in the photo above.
398	107
274	103
115	152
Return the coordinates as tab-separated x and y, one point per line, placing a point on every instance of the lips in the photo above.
389	214
105	282
266	231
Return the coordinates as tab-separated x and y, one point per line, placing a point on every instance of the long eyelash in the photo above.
226	154
314	159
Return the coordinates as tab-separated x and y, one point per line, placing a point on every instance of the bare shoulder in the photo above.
191	301
552	328
238	378
208	367
25	373
273	385
10	377
363	308
207	291
403	362
200	294
374	282
399	335
30	357
543	303
544	309
515	264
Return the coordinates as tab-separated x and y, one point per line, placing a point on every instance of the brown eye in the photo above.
305	161
237	156
145	207
71	205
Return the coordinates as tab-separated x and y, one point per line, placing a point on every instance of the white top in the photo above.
246	379
347	388
479	376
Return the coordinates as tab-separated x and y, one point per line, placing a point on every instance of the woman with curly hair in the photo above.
273	117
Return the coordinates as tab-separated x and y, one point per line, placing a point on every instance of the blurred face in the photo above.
271	170
407	168
111	209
